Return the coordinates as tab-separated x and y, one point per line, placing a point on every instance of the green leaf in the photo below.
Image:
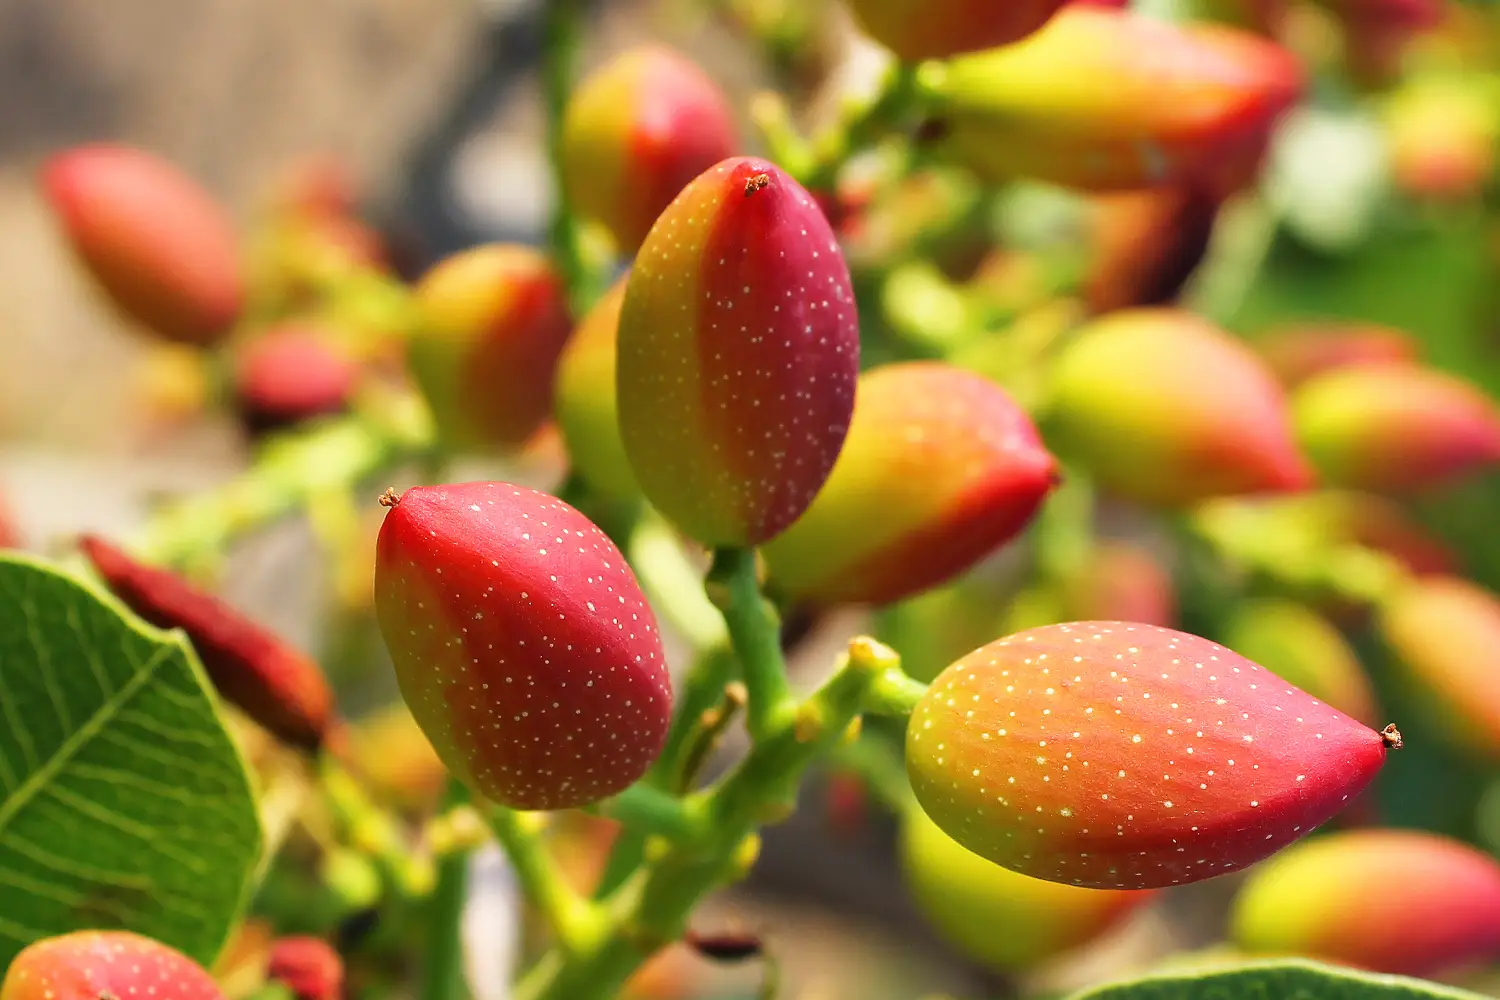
123	802
1282	979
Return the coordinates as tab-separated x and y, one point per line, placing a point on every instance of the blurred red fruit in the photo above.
1115	755
309	967
1442	134
1147	245
279	687
738	354
289	374
95	965
637	130
1162	407
1395	428
936	29
940	468
494	325
158	244
1299	352
1106	100
1121	581
1315	900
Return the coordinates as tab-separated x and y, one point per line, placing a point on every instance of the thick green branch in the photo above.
755	631
443	973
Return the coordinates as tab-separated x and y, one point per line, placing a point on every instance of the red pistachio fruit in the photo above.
1442	132
308	966
1147	245
1395	428
584	400
1164	408
1302	647
738	353
522	643
1002	919
275	684
90	965
936	29
1397	901
158	244
1121	581
494	322
1105	100
290	374
1126	756
1299	352
637	130
1443	632
940	468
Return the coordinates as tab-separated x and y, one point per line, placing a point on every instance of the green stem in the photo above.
894	693
894	101
443	974
563	32
289	472
570	916
756	634
650	810
651	909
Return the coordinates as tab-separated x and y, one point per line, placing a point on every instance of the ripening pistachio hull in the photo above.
158	244
1146	245
1302	647
1395	428
637	130
1104	99
1443	632
1125	756
494	323
585	401
1121	581
936	29
940	468
1442	135
1164	408
1302	352
1004	920
90	965
1397	901
738	353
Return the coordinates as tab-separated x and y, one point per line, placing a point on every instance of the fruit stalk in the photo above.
756	635
443	974
562	33
572	919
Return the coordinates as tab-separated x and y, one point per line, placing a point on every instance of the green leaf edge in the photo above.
1330	974
168	637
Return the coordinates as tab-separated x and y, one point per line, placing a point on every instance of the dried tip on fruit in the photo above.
157	244
636	131
1392	737
94	965
291	374
276	685
937	29
1164	408
1007	921
738	353
1109	100
494	323
522	644
1304	351
308	966
585	401
940	468
1126	756
1442	632
389	497
1397	901
1396	428
727	946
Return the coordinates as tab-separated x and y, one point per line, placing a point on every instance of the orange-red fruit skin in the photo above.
636	131
1396	901
277	685
737	356
1126	756
940	468
158	245
495	320
936	29
1303	351
90	965
290	374
309	967
522	643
